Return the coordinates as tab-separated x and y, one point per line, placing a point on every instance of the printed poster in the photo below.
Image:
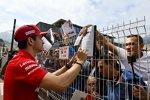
64	52
86	42
67	27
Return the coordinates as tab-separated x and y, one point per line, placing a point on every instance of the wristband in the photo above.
67	66
79	64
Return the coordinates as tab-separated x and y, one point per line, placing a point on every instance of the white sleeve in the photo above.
122	55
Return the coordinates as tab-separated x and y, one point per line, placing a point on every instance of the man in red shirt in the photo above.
23	76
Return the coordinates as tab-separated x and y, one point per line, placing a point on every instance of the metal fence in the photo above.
111	88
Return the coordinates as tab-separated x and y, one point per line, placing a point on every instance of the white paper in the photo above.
47	45
67	27
64	52
77	95
88	41
51	35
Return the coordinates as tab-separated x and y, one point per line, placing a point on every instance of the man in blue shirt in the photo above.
119	83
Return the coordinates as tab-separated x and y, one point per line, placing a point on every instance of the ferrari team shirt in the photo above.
22	77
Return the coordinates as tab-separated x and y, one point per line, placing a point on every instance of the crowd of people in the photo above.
108	76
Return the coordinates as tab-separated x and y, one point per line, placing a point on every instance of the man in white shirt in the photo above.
133	47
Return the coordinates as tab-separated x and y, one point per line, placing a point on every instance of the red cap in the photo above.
26	31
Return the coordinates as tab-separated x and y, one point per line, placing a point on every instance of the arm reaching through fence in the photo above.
134	45
103	41
62	81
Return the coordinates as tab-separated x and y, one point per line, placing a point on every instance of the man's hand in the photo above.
84	30
101	39
81	55
140	93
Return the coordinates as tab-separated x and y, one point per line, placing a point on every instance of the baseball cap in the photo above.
26	31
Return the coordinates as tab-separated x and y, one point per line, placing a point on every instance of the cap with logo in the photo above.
26	31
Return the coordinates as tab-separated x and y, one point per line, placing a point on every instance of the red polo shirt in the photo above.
22	77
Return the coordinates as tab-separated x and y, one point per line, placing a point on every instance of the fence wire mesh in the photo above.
116	81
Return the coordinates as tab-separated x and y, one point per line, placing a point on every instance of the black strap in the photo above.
78	64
